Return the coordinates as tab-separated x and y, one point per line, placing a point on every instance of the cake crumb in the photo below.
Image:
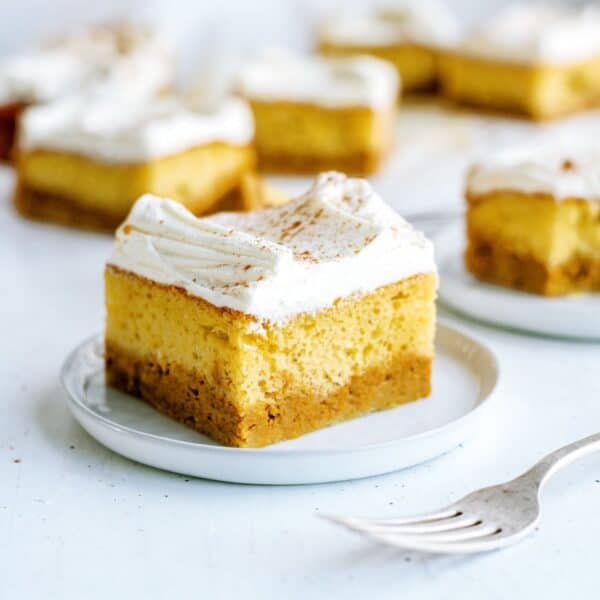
568	165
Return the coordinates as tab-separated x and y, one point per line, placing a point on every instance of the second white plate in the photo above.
464	376
576	316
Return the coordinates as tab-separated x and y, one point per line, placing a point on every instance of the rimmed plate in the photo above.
576	316
464	376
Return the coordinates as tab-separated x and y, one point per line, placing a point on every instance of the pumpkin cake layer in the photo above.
353	140
315	114
258	327
538	92
528	226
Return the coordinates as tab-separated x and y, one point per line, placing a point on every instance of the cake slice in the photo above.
533	220
537	60
86	160
258	327
313	113
409	34
123	54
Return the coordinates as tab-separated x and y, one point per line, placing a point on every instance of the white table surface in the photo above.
77	521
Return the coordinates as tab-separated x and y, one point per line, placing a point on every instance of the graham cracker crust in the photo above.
44	206
186	397
490	261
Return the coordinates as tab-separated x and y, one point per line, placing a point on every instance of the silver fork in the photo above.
488	519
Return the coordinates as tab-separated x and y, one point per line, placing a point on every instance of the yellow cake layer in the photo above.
537	225
516	237
301	137
361	354
538	91
416	65
197	178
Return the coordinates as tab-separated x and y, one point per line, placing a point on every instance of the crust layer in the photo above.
44	206
493	262
186	397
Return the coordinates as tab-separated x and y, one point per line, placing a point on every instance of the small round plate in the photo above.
464	375
575	316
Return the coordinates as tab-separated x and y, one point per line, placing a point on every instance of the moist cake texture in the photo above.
409	35
313	113
258	327
84	161
533	220
537	60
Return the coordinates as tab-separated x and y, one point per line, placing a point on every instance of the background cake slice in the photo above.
408	34
314	113
533	220
259	327
86	160
538	60
130	56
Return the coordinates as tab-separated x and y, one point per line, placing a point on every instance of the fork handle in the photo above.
555	461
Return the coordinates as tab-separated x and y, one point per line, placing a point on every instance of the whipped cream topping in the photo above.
133	57
410	22
331	82
130	129
560	173
537	33
337	240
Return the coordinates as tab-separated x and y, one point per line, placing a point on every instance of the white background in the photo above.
195	27
77	521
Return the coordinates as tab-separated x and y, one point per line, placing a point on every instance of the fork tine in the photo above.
481	537
447	513
456	522
477	531
359	524
356	522
484	543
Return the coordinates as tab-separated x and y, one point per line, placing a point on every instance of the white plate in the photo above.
464	376
575	316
